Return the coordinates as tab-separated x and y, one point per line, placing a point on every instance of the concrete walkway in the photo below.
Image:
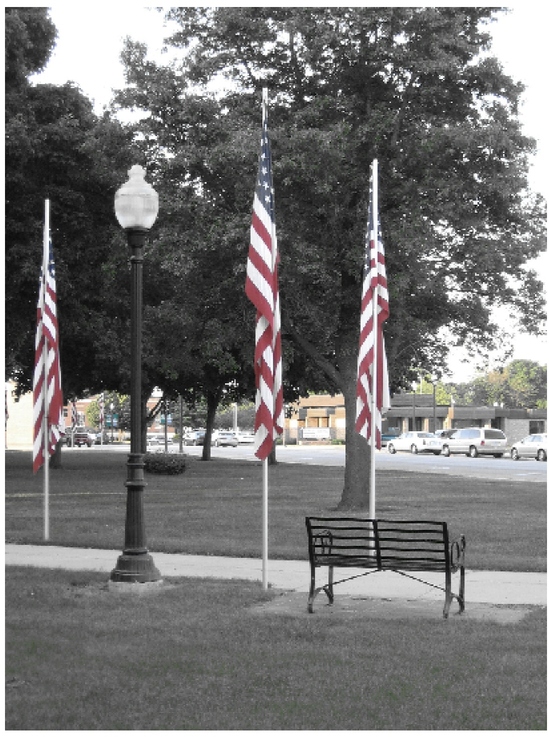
483	587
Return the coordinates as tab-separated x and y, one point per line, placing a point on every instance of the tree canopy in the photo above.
58	149
520	384
415	88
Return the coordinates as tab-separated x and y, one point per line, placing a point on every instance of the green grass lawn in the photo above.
215	507
202	655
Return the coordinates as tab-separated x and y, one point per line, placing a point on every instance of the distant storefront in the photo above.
321	418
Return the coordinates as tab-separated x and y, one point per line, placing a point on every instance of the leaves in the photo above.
57	149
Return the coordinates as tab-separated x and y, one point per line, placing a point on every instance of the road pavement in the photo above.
495	469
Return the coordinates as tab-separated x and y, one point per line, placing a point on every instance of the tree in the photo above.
412	87
29	40
199	335
195	344
58	149
525	385
519	385
120	408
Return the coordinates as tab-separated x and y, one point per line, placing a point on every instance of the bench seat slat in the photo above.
340	561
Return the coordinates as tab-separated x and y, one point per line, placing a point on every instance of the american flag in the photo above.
47	394
262	290
372	359
74	416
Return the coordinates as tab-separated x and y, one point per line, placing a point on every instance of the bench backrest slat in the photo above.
411	545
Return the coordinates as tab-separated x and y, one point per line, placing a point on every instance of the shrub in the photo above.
169	463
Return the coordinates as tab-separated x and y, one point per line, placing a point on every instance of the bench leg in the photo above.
447	603
329	588
448	595
462	589
311	592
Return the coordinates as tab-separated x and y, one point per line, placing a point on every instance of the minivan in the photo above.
475	441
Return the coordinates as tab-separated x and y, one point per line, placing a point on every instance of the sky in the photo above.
88	53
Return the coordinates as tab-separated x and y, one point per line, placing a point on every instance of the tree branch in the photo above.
329	369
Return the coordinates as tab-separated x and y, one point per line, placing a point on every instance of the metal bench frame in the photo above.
385	545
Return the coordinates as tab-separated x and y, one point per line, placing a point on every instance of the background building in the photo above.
321	418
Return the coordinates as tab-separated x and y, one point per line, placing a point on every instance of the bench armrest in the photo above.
457	553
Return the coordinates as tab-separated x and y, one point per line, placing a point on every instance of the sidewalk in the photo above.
483	587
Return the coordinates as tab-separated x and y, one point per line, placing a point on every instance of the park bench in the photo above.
385	545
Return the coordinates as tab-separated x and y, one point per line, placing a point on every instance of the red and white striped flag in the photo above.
262	290
47	395
373	377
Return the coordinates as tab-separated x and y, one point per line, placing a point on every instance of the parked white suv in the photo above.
475	441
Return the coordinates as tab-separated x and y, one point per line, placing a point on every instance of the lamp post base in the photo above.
138	568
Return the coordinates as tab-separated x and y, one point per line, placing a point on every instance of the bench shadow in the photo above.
294	603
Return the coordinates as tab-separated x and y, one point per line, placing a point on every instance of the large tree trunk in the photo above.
356	489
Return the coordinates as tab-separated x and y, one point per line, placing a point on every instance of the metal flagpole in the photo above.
265	515
45	418
265	552
262	289
375	378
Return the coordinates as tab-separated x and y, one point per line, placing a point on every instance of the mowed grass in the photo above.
215	507
201	655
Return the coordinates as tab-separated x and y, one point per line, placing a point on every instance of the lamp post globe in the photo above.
136	208
136	202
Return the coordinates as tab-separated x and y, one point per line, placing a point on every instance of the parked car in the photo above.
158	439
446	433
532	446
106	437
390	434
194	437
223	438
475	441
83	436
246	436
416	442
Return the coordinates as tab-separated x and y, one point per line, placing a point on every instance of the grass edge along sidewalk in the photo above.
214	508
495	589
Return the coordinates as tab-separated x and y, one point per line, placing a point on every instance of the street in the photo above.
334	455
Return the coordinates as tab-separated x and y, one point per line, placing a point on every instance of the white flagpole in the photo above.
265	515
375	378
45	420
265	552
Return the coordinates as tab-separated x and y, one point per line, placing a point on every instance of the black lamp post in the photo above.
136	207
